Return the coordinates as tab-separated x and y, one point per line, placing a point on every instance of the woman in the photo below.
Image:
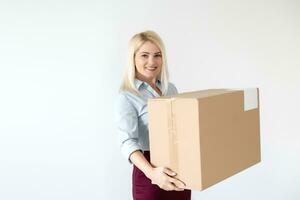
146	76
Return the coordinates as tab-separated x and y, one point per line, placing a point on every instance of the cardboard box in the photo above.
205	136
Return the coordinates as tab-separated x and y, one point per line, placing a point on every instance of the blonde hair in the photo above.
135	43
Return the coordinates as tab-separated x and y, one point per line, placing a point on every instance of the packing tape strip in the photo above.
173	138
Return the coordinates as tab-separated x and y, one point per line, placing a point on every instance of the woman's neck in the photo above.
151	82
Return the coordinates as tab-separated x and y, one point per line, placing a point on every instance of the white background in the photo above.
60	69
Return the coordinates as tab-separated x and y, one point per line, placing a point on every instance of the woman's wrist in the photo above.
149	172
138	159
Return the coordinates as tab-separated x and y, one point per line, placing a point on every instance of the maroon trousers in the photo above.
143	189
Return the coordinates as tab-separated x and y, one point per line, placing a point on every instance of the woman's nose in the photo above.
151	60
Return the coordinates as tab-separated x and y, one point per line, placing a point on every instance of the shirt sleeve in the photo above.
126	120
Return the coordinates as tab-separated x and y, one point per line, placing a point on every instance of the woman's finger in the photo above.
169	172
177	182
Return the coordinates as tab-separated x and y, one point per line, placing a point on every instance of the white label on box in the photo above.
250	99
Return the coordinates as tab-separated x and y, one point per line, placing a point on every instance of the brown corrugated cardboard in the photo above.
205	136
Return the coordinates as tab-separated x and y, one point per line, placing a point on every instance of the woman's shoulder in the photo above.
123	102
122	96
172	89
126	97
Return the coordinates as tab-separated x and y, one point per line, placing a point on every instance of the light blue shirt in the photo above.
132	117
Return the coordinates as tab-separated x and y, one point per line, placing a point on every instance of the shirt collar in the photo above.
138	83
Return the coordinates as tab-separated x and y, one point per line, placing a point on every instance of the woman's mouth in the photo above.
150	68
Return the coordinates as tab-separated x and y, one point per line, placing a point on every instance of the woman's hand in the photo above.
164	178
161	176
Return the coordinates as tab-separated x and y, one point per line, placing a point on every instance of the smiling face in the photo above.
148	62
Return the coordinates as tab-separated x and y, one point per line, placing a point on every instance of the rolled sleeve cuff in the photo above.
128	148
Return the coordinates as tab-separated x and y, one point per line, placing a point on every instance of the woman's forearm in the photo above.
139	160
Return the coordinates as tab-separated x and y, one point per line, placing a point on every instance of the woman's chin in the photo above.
151	76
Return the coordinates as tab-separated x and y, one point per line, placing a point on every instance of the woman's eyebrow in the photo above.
149	53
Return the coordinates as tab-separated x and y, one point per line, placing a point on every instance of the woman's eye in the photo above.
146	56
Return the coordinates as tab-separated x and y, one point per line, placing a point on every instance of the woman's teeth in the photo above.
151	68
